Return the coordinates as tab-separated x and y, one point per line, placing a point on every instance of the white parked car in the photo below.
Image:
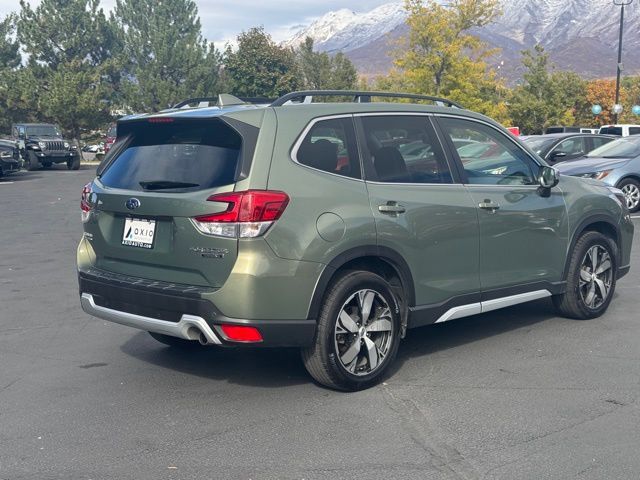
621	130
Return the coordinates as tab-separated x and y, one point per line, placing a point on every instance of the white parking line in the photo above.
6	183
635	216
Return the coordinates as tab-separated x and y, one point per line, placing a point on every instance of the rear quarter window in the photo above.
177	155
330	146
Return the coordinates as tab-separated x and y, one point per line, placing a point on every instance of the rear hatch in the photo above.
157	179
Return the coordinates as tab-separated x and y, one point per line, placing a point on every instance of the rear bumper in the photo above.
178	311
189	327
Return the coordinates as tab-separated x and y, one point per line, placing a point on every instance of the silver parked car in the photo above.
617	164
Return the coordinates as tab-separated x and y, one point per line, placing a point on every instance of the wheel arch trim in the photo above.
386	254
582	227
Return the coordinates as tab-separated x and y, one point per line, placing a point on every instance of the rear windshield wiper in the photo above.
165	184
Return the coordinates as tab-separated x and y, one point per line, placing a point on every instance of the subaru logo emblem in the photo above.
132	203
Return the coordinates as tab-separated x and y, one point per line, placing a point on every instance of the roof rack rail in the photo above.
305	96
222	100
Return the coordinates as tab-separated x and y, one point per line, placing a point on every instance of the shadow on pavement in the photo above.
272	368
268	367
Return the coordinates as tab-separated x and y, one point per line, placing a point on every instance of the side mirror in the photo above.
548	178
557	155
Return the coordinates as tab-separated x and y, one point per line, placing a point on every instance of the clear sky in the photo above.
223	20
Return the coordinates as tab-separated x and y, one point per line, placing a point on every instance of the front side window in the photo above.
572	147
330	146
493	159
404	149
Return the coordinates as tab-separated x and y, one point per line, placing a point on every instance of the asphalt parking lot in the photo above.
514	394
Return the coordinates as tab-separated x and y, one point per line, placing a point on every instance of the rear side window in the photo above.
634	130
330	146
174	156
404	149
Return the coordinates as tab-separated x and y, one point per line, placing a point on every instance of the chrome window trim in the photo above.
372	182
490	185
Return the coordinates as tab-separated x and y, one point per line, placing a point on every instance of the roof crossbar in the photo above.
305	96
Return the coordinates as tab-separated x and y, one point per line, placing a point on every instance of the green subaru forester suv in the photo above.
336	227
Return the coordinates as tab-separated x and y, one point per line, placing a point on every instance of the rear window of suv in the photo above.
174	156
611	131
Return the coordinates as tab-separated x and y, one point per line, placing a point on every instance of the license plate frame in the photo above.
139	232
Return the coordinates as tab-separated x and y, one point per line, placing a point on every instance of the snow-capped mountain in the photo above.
580	35
345	30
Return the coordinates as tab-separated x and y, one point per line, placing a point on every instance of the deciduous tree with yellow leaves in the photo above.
441	57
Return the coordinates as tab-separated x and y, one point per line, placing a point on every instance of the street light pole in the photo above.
622	4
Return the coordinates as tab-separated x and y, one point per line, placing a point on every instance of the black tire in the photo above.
32	163
323	359
572	303
174	341
74	164
631	186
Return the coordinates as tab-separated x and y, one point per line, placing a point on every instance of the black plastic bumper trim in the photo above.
144	298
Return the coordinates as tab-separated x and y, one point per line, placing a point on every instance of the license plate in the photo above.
138	232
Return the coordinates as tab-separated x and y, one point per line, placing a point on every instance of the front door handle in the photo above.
489	205
392	208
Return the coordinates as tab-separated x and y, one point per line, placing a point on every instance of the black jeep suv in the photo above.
42	145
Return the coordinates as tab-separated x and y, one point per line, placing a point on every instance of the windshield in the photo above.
43	131
627	147
539	144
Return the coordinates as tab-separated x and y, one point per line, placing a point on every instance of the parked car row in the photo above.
613	160
620	130
37	145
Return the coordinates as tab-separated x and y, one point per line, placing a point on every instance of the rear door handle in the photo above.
489	205
392	208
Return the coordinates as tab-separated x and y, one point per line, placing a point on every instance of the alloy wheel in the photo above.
364	332
632	195
596	275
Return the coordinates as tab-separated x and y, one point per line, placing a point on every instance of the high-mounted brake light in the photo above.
85	204
249	214
241	333
161	120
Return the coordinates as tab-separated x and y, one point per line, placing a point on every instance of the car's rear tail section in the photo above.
167	197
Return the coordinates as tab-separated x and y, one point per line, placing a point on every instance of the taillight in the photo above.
241	333
85	204
249	214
